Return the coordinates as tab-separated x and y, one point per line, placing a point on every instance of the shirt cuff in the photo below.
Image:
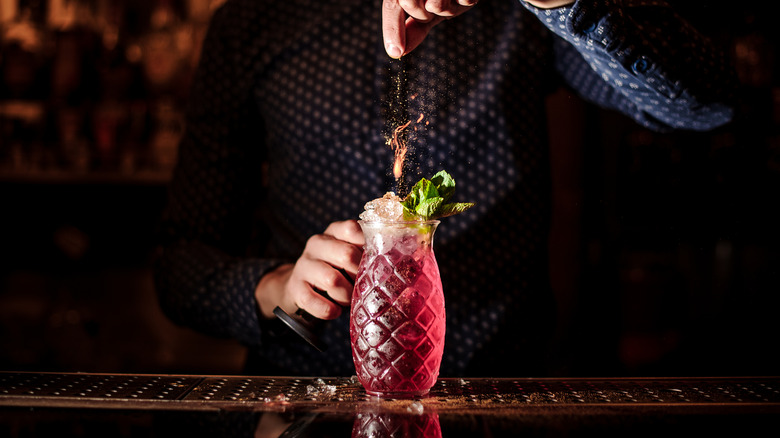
613	46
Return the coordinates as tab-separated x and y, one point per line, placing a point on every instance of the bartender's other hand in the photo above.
406	23
326	255
549	4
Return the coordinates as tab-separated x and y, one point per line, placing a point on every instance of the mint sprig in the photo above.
429	199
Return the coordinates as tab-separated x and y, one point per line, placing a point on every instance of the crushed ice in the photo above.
388	208
321	389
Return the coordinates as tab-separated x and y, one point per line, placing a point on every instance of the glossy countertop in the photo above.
87	404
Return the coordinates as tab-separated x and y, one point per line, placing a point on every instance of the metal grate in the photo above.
95	386
277	393
611	391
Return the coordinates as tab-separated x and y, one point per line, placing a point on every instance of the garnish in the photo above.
429	199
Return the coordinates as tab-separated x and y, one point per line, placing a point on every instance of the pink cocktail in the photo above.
397	321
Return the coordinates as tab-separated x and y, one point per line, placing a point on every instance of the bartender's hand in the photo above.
406	23
291	286
549	4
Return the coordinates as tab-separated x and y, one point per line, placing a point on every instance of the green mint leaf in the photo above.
427	207
428	199
445	184
453	208
420	192
410	215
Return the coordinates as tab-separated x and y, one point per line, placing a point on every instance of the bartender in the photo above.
286	140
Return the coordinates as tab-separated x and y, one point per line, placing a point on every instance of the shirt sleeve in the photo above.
643	59
203	276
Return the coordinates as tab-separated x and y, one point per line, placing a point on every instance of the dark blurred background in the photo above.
665	248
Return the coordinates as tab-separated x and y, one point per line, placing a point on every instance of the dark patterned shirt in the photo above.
286	133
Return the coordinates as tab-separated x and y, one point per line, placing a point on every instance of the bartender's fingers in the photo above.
393	28
347	231
329	281
406	23
550	4
309	274
416	9
329	263
341	245
448	8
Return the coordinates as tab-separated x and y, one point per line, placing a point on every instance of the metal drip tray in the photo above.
93	386
346	394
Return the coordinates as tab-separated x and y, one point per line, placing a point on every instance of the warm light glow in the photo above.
399	148
398	145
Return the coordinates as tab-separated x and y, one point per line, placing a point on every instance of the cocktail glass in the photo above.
397	321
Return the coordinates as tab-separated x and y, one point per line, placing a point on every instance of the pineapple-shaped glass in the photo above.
397	321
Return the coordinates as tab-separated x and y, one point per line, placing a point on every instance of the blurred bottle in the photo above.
8	11
165	49
73	33
73	82
22	85
167	129
22	51
74	148
22	146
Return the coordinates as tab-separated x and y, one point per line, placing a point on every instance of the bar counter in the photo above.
81	404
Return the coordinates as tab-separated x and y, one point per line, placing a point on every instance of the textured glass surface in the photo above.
397	321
